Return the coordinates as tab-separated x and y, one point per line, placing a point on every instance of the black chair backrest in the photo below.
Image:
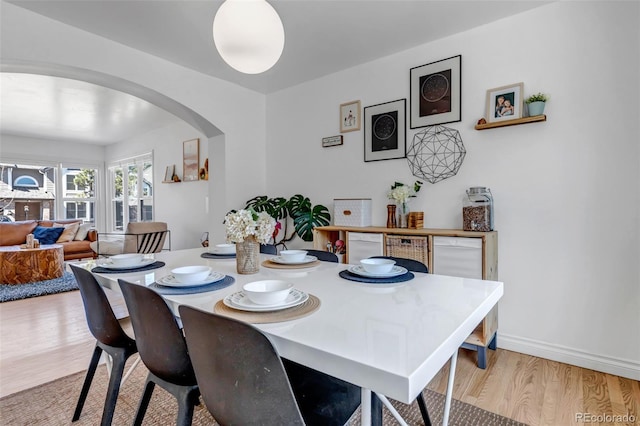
161	344
240	374
101	320
325	256
268	249
409	264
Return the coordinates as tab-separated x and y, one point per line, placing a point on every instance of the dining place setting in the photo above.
291	259
127	262
377	271
267	301
220	251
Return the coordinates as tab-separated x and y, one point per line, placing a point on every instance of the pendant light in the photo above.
248	35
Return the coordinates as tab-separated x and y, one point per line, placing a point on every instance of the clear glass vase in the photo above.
248	256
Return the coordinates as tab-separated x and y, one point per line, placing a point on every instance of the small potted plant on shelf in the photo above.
536	104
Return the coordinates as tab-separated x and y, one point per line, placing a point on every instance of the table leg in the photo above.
365	407
370	408
447	401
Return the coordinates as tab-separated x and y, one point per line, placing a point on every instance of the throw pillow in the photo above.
69	231
83	230
47	235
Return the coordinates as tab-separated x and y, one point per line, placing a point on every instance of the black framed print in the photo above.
385	135
436	95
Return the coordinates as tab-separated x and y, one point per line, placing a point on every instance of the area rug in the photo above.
53	404
9	292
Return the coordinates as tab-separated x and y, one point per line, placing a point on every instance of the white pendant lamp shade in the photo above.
248	35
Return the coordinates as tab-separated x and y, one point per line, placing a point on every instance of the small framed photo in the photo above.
504	103
349	116
191	160
385	136
168	174
436	95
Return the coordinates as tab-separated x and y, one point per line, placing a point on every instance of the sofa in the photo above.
75	237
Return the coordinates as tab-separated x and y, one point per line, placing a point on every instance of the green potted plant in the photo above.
536	104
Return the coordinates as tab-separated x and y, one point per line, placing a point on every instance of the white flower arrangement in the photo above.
400	192
244	223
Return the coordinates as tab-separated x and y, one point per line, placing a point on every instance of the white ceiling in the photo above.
321	37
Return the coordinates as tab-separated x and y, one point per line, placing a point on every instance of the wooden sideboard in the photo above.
419	245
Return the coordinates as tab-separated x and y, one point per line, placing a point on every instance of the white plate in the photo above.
170	280
144	262
240	301
394	272
282	261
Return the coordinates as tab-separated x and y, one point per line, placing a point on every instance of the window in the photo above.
133	201
79	194
27	181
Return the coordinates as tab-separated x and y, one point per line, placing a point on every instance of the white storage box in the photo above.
352	211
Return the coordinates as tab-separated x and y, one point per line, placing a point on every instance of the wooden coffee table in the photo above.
20	266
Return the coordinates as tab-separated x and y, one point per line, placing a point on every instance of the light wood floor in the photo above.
45	338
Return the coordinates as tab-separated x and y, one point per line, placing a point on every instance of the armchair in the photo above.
139	237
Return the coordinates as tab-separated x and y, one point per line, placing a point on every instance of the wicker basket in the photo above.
408	247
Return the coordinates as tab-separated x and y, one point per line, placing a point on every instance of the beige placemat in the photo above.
311	305
274	265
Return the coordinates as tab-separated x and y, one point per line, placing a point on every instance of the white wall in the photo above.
180	205
567	191
16	148
239	113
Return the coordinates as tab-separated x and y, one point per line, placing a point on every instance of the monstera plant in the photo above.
304	215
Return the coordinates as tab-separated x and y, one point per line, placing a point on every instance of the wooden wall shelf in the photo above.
524	120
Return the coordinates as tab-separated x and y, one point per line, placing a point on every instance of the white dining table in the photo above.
389	339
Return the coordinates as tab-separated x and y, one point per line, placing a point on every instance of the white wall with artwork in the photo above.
566	190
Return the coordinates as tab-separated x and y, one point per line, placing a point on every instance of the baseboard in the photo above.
616	366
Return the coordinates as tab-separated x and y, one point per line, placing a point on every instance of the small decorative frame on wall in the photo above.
385	135
504	103
349	116
331	141
436	94
190	160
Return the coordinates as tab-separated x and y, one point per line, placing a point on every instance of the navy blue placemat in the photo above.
165	290
155	265
355	277
208	255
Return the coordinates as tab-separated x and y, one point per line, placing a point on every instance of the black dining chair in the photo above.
110	338
413	266
163	351
322	255
243	380
268	249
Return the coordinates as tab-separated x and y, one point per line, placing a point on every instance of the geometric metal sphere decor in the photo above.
436	153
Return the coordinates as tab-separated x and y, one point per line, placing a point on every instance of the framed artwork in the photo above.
168	174
436	96
385	135
349	116
504	103
190	160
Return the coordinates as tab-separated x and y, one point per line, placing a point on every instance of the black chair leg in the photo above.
144	401
117	369
423	410
95	358
187	399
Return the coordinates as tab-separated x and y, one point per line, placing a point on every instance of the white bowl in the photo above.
225	248
127	259
267	292
377	266
293	255
191	274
